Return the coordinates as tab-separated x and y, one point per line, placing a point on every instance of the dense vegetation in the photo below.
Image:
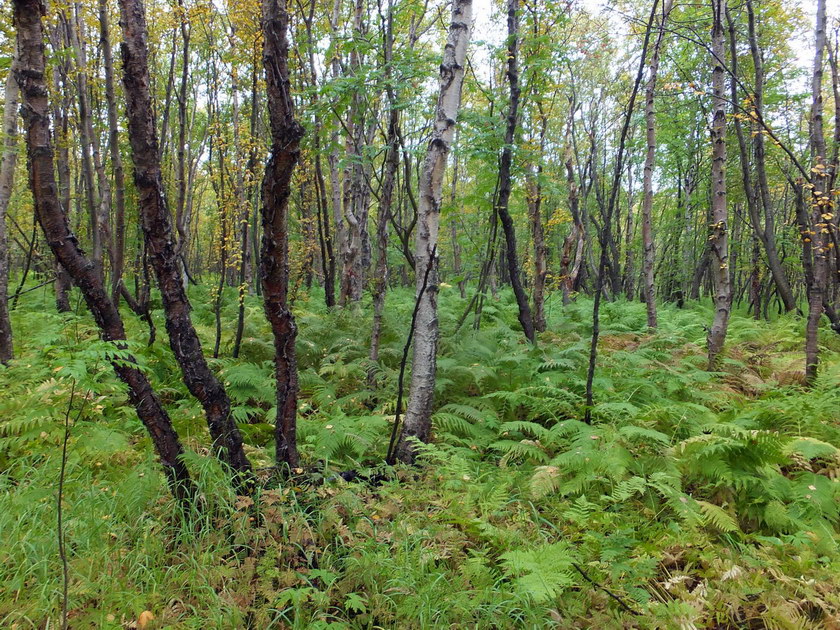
419	314
694	497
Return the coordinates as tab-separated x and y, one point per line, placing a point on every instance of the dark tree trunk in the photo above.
66	249
163	255
525	317
286	134
605	234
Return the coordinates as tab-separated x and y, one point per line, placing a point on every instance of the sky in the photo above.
485	29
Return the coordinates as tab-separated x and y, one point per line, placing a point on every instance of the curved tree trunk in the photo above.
286	134
162	252
418	414
66	249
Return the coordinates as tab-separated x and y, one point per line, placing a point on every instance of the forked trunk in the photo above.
162	252
66	249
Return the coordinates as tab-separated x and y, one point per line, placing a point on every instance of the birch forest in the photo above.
372	314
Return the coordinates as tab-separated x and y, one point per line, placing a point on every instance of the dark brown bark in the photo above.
526	320
162	253
66	249
286	134
606	232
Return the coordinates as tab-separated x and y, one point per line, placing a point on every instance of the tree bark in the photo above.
649	254
821	204
286	134
535	198
182	216
65	247
7	179
718	238
418	415
99	193
526	319
118	245
383	215
157	230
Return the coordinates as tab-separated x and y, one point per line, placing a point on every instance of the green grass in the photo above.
696	499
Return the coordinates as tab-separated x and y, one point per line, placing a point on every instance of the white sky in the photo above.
485	30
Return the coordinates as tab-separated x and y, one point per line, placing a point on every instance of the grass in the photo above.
694	499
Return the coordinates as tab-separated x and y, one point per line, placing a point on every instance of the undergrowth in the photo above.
693	499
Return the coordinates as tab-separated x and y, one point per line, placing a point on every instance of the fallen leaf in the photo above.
145	619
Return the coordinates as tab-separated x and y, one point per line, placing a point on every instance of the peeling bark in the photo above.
161	249
719	227
65	247
418	415
286	134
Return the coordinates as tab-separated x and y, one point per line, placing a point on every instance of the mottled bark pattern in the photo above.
162	253
821	205
649	255
418	414
718	237
66	249
286	133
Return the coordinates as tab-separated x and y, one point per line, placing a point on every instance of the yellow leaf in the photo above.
145	618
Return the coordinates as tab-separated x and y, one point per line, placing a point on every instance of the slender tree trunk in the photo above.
418	414
182	217
383	216
352	281
457	267
649	254
118	245
526	320
535	198
821	204
605	234
100	192
324	235
157	230
718	238
62	242
248	193
286	134
8	160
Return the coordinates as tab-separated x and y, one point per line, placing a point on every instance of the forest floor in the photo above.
693	500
